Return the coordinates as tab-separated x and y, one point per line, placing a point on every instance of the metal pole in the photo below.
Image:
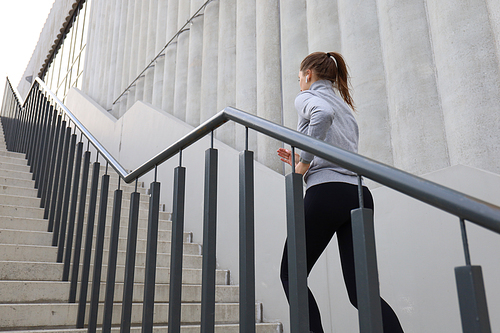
209	242
151	251
79	228
175	295
297	260
99	247
247	243
82	304
59	189
72	212
113	250
47	153
367	283
67	192
128	287
52	166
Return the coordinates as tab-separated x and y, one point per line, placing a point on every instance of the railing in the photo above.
42	128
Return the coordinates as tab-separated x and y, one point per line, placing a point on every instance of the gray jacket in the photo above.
325	116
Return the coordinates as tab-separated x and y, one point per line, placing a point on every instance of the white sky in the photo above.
21	22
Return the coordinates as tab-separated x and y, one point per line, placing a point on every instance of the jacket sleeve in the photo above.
319	114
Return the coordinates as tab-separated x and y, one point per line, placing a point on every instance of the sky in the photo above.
21	22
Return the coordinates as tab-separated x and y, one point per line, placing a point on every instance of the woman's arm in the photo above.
286	156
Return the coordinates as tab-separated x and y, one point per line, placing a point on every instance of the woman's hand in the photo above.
286	156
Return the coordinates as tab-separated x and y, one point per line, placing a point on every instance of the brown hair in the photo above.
334	70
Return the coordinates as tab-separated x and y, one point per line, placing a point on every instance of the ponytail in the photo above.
330	66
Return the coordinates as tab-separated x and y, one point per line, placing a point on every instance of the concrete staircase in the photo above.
33	297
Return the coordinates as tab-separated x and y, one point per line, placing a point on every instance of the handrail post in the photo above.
175	295
128	286
247	243
72	212
112	258
297	260
59	189
47	191
79	227
82	304
47	155
40	142
99	247
365	265
471	293
67	192
151	251
209	242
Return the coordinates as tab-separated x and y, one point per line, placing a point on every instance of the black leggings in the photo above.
328	210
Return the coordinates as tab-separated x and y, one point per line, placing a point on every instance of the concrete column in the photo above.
112	56
90	61
97	49
104	31
468	81
143	46
494	13
209	69
362	51
246	68
150	51
134	53
167	102
323	31
120	57
226	77
294	48
417	128
127	54
269	90
161	40
194	66
181	66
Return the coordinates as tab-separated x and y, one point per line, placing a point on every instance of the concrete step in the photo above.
46	253
58	292
18	191
13	160
220	328
26	183
64	315
36	271
16	174
40	224
12	154
14	167
18	211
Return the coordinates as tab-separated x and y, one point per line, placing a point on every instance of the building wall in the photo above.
425	75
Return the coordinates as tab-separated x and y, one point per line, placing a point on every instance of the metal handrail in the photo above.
454	202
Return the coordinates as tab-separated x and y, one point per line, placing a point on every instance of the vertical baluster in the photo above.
46	158
72	212
40	141
99	247
24	125
19	126
67	192
247	242
34	114
151	251
52	158
365	260
209	242
79	227
175	295
128	288
61	155
296	245
82	303
471	293
113	250
59	189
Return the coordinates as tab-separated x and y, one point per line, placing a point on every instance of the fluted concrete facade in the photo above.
425	75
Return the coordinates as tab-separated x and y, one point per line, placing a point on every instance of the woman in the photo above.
331	191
